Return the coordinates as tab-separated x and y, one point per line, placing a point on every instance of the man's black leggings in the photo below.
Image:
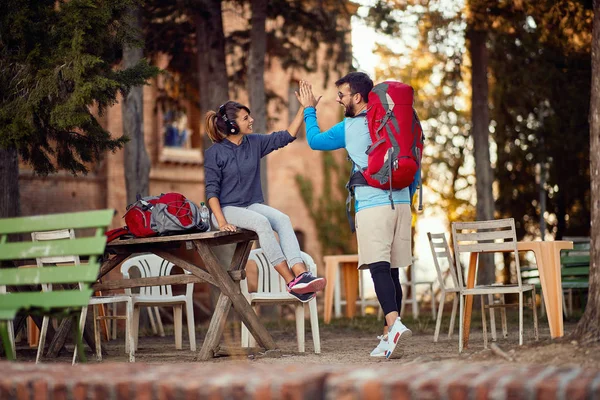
387	286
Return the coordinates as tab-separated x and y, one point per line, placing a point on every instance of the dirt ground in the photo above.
349	342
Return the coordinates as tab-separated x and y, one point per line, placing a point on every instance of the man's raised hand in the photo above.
305	95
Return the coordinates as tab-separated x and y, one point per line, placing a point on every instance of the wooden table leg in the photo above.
108	265
350	274
331	271
548	263
215	329
33	333
239	302
469	299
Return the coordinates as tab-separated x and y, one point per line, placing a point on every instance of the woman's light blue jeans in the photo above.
265	221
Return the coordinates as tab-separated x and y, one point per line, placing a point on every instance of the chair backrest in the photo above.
440	250
54	235
269	280
150	265
485	237
89	247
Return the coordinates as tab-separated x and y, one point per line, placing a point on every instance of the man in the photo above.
383	233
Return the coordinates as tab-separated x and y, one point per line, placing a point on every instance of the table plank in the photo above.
181	279
186	265
227	237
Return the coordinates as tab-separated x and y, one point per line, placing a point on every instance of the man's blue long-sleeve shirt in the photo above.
351	134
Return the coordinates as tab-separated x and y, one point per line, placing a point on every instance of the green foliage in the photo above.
295	31
328	211
540	58
57	64
540	72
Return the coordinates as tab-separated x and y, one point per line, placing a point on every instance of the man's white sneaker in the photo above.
397	333
379	351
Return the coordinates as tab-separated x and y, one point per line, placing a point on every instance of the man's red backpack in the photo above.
394	157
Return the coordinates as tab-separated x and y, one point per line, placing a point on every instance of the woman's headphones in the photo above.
232	127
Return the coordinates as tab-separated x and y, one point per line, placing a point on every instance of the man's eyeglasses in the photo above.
341	95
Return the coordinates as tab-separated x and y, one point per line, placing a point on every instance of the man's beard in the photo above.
349	110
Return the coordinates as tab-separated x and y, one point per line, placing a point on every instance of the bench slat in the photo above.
575	260
76	220
65	247
35	276
576	271
45	301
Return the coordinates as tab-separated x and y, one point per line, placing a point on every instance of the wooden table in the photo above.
226	279
350	271
547	259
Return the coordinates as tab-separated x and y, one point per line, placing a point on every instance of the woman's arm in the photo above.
215	206
296	122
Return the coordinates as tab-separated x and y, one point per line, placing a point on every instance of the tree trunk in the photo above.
480	131
137	162
10	203
9	181
213	83
256	79
588	328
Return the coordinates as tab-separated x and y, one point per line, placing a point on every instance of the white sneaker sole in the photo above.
396	349
314	286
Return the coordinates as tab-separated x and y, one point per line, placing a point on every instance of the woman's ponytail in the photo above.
214	133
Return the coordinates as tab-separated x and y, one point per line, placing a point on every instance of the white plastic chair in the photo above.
151	265
412	299
94	300
272	289
11	331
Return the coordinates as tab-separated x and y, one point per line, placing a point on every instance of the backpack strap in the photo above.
117	233
356	179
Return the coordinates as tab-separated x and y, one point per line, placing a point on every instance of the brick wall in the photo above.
269	381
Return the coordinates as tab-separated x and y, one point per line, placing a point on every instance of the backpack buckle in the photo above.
145	205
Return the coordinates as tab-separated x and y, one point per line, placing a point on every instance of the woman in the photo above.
234	193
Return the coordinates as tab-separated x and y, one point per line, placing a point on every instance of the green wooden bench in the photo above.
68	301
576	270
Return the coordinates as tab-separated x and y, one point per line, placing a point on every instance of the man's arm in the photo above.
331	139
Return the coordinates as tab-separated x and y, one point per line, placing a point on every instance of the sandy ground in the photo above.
349	342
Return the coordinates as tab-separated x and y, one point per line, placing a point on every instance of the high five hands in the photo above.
305	95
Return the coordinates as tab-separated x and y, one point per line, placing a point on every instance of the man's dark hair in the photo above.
359	83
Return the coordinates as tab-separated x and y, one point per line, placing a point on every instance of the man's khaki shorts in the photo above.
384	234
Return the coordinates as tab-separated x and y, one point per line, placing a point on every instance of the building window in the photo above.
178	141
